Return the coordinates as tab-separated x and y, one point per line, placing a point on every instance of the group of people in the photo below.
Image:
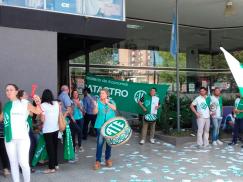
208	110
16	126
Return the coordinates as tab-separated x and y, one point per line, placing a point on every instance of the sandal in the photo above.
48	171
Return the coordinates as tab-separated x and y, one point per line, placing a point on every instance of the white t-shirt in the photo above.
51	113
202	106
215	100
19	114
155	102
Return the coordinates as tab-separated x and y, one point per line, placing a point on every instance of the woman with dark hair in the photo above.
3	153
16	132
79	120
50	129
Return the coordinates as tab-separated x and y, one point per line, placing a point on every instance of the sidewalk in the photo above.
152	163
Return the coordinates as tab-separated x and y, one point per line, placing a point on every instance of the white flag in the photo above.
236	68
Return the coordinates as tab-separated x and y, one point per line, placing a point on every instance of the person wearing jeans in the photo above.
216	115
105	109
203	117
100	143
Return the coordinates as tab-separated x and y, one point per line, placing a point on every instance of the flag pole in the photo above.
177	70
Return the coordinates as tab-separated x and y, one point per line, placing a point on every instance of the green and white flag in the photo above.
40	151
236	68
68	145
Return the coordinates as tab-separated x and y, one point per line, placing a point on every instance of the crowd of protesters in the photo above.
25	127
23	124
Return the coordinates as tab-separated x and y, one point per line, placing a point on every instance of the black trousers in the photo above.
238	127
87	119
76	129
51	140
4	155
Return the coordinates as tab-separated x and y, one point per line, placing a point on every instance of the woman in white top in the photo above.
16	134
50	129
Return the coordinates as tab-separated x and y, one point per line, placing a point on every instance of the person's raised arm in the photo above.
35	109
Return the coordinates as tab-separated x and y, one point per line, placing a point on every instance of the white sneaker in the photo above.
152	141
214	143
142	142
219	142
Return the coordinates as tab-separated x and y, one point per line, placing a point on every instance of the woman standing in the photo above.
78	117
50	129
105	110
3	153
16	132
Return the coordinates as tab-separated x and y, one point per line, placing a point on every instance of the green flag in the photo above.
40	151
68	145
236	69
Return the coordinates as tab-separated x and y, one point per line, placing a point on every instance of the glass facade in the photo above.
145	66
109	9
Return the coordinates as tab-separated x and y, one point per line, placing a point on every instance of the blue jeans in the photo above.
100	143
216	127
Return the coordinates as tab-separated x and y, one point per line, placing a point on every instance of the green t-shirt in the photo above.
239	106
104	113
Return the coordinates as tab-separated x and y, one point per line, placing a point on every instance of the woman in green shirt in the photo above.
105	110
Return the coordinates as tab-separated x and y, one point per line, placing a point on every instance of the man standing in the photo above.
203	117
89	104
150	104
65	99
216	112
238	126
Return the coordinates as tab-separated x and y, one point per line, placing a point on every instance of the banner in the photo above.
125	94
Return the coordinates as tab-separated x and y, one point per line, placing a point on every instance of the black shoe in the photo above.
84	138
232	143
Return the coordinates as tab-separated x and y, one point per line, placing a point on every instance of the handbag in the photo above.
61	121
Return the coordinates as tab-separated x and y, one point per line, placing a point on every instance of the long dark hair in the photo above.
47	97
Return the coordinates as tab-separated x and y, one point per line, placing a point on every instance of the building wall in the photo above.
27	57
